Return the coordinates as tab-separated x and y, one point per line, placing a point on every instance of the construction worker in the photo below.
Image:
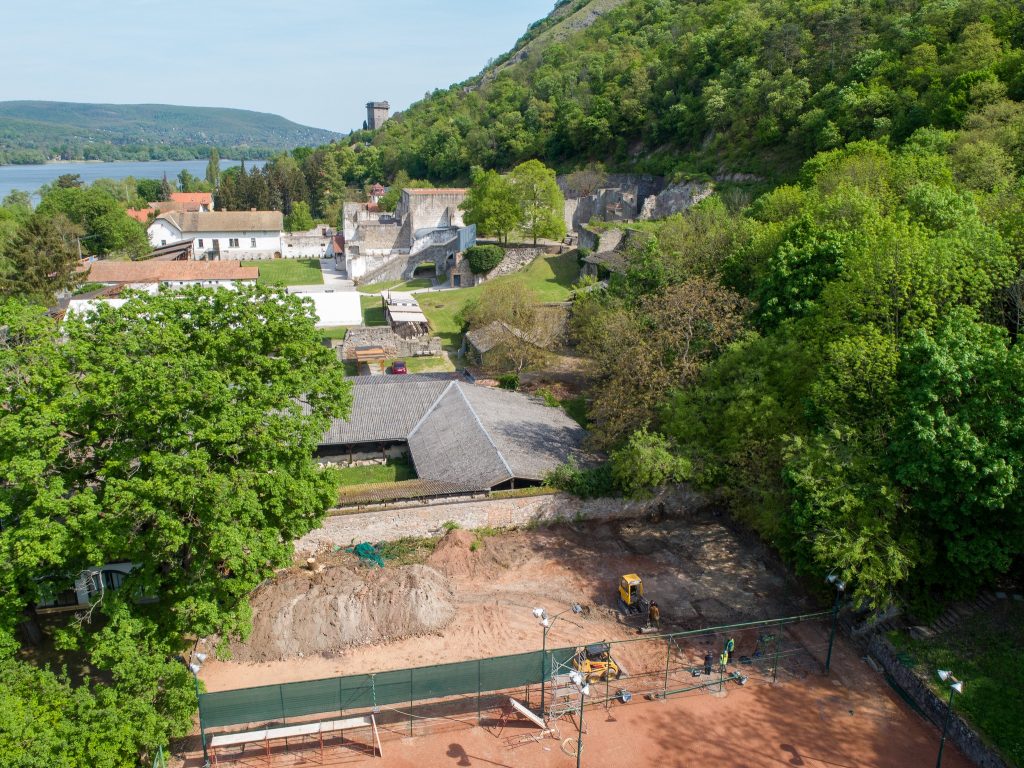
709	663
654	616
730	646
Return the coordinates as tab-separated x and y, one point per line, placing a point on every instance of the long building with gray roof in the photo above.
465	436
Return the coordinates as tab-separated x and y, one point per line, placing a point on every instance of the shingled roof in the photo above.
152	271
459	433
226	221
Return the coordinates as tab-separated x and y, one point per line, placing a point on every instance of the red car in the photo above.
399	367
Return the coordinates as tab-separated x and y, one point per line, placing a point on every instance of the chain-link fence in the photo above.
656	666
416	700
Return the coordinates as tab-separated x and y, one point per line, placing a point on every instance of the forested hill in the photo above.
34	131
718	85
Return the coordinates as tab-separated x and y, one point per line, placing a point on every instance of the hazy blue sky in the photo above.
314	61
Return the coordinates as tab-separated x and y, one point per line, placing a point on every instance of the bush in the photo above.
509	381
591	483
484	258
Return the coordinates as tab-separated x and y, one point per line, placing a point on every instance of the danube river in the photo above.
31	177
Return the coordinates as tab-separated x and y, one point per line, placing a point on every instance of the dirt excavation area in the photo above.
472	597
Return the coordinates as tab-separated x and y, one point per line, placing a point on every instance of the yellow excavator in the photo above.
632	603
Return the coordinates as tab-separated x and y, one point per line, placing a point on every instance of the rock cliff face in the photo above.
675	199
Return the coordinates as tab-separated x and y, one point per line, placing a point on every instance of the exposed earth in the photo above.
473	597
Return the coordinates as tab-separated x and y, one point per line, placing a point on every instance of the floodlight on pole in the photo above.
546	622
840	587
583	685
955	686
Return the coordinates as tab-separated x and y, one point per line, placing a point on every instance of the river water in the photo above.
30	178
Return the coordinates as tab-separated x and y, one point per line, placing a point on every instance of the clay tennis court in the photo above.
476	603
847	720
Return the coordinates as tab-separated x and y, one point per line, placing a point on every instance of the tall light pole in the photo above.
583	687
194	668
955	686
840	586
542	617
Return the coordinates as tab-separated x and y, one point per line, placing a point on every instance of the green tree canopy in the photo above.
176	432
541	204
491	204
300	219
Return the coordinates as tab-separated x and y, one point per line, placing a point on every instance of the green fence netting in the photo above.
405	686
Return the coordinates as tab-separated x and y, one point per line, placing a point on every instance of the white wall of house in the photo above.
237	245
162	232
231	245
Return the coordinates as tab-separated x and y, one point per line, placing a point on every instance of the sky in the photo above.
316	62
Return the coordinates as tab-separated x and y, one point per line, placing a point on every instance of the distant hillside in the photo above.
33	131
711	87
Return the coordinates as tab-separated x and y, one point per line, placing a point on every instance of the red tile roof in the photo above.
141	215
193	198
109	271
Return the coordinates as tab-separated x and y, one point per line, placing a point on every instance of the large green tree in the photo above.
175	432
541	204
491	204
958	449
41	259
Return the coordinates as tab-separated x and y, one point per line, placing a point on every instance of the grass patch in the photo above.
288	271
392	472
334	333
373	310
549	279
984	651
407	551
400	285
438	364
519	493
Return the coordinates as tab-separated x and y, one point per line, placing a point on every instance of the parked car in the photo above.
399	367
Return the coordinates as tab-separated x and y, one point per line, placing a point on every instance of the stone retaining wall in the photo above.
934	708
393	345
428	518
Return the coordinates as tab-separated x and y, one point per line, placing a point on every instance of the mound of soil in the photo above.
301	613
453	555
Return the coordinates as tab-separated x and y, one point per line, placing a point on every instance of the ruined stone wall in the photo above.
428	518
393	345
676	199
427	211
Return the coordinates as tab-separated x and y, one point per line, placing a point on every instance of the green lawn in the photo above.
439	364
335	333
373	310
392	472
549	278
288	271
984	651
399	285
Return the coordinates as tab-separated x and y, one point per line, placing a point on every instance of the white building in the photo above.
222	234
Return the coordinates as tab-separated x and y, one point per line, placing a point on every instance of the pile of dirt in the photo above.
454	554
301	613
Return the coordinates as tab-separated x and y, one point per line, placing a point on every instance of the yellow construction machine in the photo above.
595	663
632	603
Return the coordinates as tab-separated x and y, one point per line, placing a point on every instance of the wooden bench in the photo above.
267	735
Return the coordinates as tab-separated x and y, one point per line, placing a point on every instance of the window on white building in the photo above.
200	242
232	242
163	242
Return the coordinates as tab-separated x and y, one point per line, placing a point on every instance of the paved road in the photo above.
333	279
